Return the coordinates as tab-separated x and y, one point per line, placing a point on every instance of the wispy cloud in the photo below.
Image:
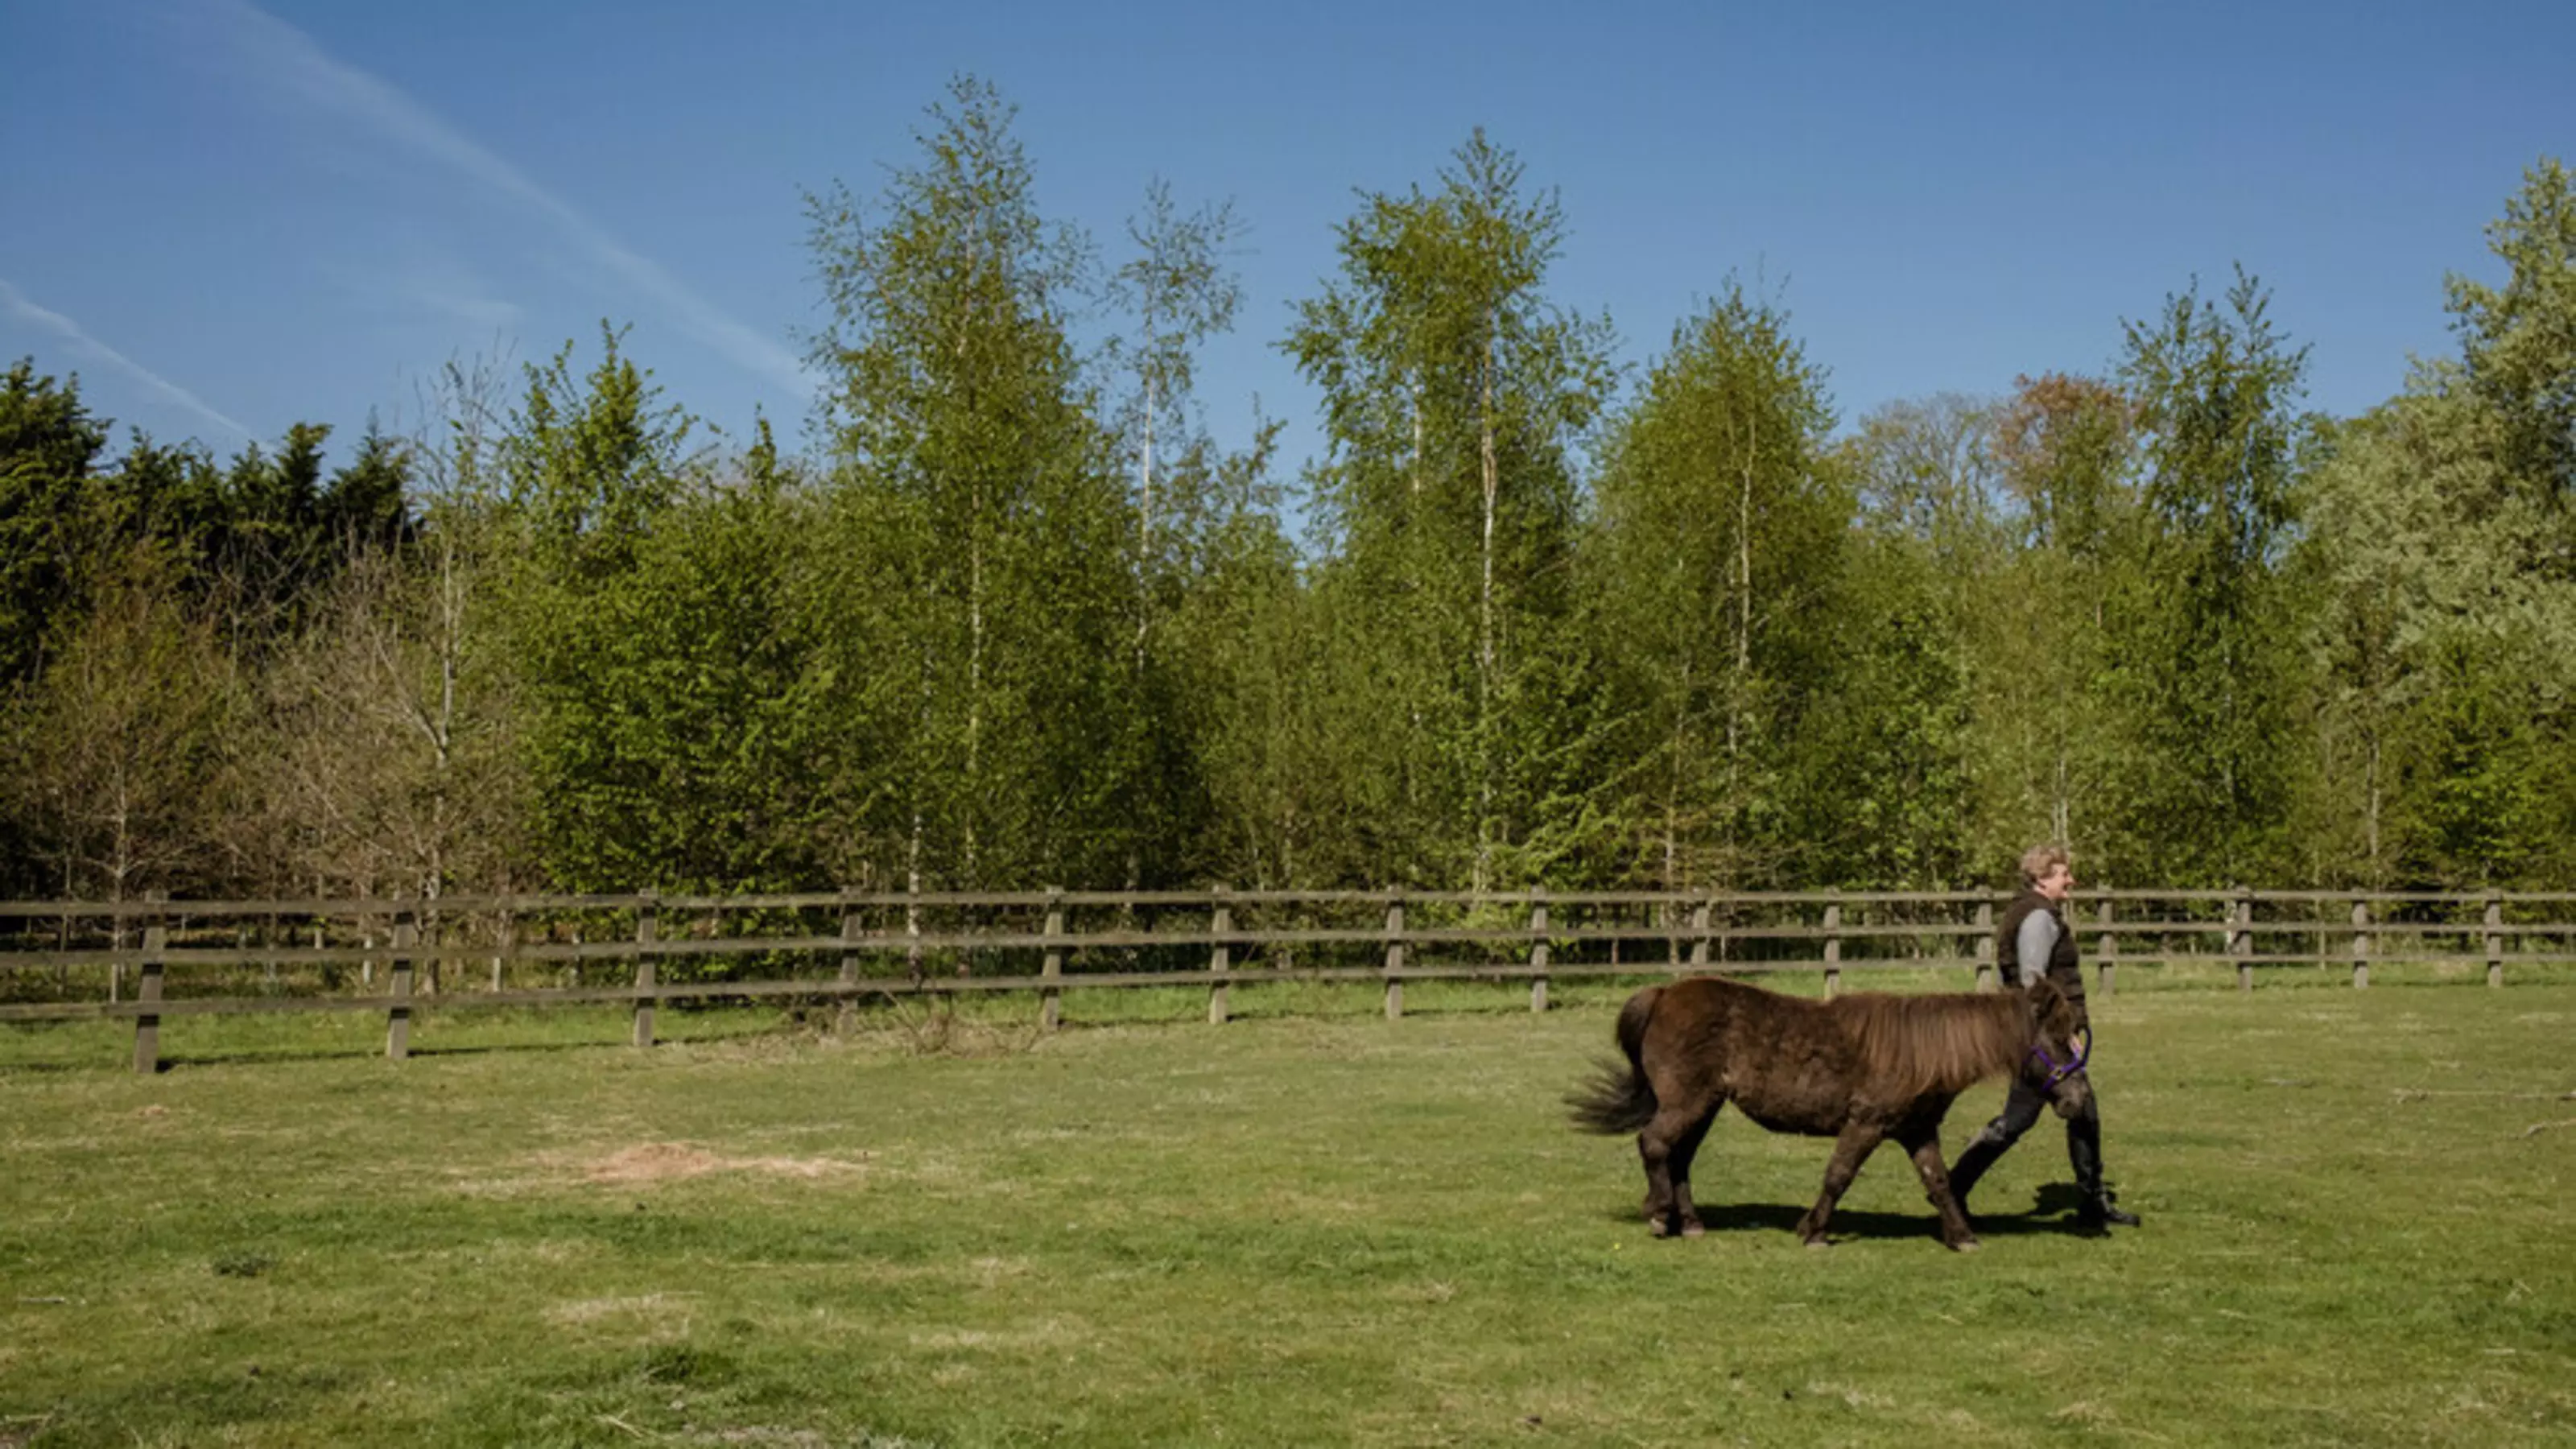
484	314
16	304
437	282
288	58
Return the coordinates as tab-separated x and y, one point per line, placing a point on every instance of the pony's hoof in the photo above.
1694	1229
1655	1227
1966	1245
1819	1242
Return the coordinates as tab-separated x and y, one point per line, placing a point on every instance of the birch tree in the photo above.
1718	547
1457	397
975	494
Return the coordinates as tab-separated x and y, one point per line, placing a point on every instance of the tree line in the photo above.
1014	617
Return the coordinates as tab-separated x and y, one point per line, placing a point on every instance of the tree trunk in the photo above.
1485	654
1735	705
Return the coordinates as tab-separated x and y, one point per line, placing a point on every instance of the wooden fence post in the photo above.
1699	936
2240	936
1220	957
1538	950
1051	1000
646	930
2106	951
1985	945
398	977
845	1017
2360	942
2495	939
1394	954
507	946
912	926
147	990
1833	949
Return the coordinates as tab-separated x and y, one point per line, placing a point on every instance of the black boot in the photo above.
2099	1211
1974	1159
2084	1150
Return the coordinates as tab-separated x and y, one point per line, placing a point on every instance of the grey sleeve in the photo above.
2038	937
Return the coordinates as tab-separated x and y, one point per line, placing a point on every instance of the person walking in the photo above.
2033	942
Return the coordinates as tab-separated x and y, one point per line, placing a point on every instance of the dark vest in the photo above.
2061	966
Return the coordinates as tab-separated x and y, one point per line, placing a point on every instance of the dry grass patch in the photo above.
645	1164
665	1161
651	1309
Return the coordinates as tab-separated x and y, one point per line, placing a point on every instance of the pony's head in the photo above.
2059	1045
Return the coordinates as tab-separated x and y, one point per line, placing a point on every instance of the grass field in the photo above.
1310	1227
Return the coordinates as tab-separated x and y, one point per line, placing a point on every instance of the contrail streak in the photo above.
303	66
18	306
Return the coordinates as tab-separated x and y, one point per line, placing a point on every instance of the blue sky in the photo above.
230	217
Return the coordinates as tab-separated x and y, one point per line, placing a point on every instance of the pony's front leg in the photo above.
1851	1149
1924	1145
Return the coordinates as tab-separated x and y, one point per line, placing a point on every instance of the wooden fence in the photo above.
152	959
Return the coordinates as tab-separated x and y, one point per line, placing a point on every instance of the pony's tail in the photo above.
1620	1100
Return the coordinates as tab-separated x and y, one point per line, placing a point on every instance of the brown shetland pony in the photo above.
1859	1069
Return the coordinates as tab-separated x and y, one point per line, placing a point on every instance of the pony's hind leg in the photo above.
1666	1146
1679	1165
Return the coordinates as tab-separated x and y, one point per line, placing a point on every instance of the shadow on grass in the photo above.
255	1055
2052	1212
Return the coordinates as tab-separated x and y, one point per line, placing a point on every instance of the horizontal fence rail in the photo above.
148	960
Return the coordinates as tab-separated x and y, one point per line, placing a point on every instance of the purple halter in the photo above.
2060	1071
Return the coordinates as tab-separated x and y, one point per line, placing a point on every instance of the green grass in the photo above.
1308	1227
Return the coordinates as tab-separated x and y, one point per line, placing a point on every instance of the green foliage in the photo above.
2053	753
641	635
132	596
2518	342
681	752
48	444
983	533
588	466
1880	761
1200	514
364	507
119	770
1716	564
1456	396
2444	623
2439	644
2208	640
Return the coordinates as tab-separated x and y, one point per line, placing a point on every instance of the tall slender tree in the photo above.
2050	755
1719	540
1457	397
977	494
2213	639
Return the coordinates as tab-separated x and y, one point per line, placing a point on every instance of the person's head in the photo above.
2048	870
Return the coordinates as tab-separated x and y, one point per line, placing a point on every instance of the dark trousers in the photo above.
2022	1109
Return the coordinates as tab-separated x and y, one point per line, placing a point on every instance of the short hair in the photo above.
2039	860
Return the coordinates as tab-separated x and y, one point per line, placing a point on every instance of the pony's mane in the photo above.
1923	1044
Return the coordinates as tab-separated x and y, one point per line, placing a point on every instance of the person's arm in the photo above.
2038	937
